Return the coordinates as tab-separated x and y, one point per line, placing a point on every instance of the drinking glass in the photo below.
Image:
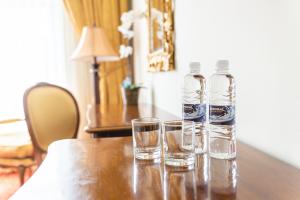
146	134
179	143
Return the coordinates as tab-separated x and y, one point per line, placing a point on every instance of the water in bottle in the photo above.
194	105
222	141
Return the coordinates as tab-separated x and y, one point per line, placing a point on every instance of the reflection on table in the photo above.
105	169
115	120
223	179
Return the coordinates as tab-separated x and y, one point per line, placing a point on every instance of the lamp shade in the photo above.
94	43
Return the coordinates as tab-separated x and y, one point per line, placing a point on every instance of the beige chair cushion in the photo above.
26	162
23	151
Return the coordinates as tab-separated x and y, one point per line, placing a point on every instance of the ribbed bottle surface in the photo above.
222	140
194	89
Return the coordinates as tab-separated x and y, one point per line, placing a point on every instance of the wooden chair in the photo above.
16	149
51	114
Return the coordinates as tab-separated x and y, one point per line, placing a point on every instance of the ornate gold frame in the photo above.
163	60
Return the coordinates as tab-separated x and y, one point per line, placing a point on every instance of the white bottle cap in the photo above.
222	66
195	67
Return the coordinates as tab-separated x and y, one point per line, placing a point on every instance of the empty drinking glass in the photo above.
179	143
146	138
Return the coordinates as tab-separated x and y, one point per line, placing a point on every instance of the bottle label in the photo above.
222	115
194	112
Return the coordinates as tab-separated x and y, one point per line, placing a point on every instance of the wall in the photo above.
261	38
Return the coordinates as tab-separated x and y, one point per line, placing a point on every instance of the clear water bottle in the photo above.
194	105
222	140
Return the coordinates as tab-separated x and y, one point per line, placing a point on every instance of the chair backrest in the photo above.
51	114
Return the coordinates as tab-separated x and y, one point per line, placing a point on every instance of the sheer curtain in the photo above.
33	48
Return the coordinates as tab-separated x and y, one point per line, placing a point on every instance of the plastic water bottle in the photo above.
194	105
222	141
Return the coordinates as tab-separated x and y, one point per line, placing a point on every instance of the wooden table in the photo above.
105	169
115	120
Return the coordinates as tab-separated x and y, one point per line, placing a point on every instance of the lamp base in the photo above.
96	82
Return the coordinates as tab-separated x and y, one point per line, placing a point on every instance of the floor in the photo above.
9	183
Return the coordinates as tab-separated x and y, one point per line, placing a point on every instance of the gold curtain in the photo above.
106	14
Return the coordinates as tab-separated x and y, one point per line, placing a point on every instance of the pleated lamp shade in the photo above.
94	43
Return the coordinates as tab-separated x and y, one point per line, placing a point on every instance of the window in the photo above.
32	49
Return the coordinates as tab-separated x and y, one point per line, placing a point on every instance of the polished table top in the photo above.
105	169
118	117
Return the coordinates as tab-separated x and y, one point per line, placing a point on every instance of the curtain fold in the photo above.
106	14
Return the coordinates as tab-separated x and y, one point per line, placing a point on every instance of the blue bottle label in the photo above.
194	112
222	115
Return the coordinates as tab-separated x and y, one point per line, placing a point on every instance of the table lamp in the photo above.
94	47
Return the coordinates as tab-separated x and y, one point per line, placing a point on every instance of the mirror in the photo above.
160	17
